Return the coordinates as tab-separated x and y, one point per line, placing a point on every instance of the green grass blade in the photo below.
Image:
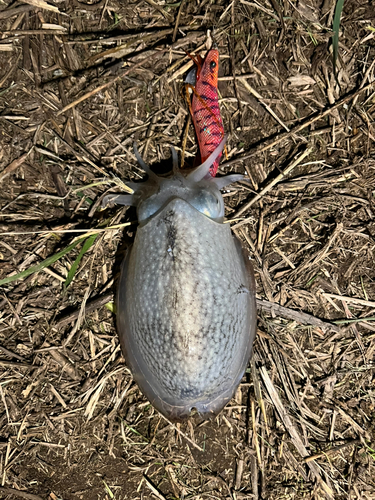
86	246
336	28
108	489
42	265
353	321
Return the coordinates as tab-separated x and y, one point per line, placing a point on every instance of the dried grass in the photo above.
78	83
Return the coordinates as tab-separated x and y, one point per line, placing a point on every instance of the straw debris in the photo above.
79	82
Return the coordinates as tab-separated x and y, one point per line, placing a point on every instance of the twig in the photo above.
239	473
177	21
41	4
4	14
183	434
260	99
353	424
255	433
14	165
256	5
66	365
93	305
13	364
22	33
354	300
308	121
332	450
163	12
62	231
269	186
11	354
18	493
292	430
153	488
300	317
105	85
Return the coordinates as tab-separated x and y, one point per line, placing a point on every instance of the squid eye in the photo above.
212	64
208	203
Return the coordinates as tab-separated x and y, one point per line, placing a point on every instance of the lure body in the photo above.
205	108
186	312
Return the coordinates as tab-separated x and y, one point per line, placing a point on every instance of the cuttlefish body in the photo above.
186	312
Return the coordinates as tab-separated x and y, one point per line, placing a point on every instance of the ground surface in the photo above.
73	97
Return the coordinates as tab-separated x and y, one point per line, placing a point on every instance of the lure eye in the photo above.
212	64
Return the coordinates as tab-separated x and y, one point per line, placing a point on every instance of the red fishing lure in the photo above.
204	106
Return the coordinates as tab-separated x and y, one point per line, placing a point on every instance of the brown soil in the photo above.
73	98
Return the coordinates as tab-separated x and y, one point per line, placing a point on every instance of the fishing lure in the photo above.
204	106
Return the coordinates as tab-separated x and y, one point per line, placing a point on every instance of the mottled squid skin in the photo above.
186	312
